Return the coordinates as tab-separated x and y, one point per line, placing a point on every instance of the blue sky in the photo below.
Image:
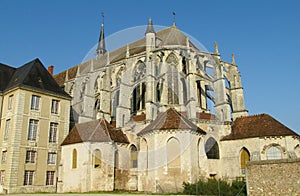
264	35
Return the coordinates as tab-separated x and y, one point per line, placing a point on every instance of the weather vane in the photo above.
102	14
174	19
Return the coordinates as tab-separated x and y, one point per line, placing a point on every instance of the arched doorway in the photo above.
245	157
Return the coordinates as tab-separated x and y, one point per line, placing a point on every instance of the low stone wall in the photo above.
273	177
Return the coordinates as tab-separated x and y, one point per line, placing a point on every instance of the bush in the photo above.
215	187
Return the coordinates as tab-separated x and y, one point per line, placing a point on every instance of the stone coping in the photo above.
268	162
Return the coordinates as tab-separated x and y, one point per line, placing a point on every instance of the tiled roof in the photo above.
95	131
60	78
139	118
72	72
262	125
32	75
171	119
205	116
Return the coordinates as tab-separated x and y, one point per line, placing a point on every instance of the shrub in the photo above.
215	187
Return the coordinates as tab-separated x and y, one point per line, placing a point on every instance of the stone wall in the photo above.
273	177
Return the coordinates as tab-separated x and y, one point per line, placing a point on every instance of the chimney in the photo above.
50	69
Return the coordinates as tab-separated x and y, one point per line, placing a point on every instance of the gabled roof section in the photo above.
95	131
6	73
171	119
34	75
262	125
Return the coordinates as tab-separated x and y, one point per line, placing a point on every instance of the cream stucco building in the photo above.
159	112
34	120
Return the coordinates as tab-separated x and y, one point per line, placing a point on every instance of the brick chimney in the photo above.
50	69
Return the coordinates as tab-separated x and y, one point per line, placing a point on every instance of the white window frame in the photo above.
28	177
53	132
7	128
2	177
10	102
4	156
35	102
30	156
32	129
54	106
50	177
52	158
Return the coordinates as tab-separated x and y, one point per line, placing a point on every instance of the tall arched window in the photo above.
184	65
115	104
212	149
184	90
227	83
158	91
74	159
200	92
133	157
245	157
139	92
138	98
273	153
172	85
210	98
117	163
199	152
172	79
143	154
97	158
173	153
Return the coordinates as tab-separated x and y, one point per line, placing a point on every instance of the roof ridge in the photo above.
261	125
106	128
169	120
8	66
95	130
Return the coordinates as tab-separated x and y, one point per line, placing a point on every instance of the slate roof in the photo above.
262	125
171	119
95	131
170	36
32	75
6	73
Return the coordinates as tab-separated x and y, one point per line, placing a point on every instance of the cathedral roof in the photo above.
32	75
95	131
170	36
262	125
171	119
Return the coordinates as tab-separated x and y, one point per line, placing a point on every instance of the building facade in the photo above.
173	113
34	121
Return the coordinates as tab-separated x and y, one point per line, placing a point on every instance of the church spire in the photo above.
101	44
150	28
